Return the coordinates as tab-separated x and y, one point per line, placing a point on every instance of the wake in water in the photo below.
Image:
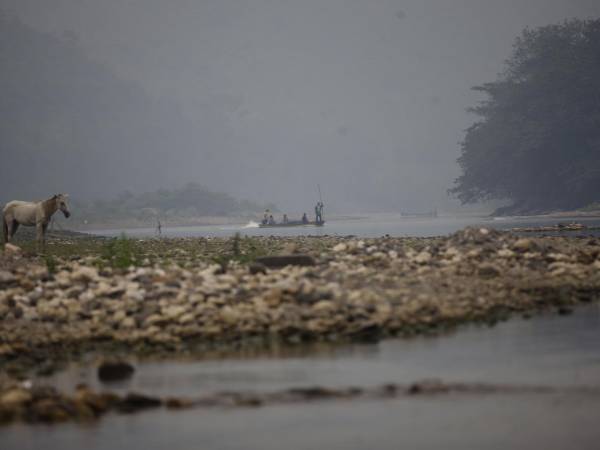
251	224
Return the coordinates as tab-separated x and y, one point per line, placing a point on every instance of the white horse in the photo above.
32	214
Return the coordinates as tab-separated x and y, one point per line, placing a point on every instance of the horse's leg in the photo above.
5	229
40	235
44	230
13	228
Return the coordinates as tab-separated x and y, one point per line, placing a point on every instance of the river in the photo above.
548	350
373	226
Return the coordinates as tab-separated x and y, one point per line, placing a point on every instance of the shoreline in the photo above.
180	290
179	296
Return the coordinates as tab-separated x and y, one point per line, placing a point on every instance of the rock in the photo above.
339	248
565	310
505	253
154	319
119	316
98	403
229	315
7	279
286	260
186	318
84	274
523	245
179	403
289	248
115	371
488	271
313	393
128	323
12	249
135	402
256	268
324	306
422	258
174	312
49	410
15	397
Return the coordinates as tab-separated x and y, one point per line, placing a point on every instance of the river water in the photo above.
549	350
373	226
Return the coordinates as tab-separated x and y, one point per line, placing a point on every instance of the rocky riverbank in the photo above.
172	296
46	405
182	291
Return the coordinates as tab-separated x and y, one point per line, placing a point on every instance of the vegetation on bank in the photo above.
123	252
191	201
537	139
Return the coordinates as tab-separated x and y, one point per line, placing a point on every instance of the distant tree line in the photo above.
192	200
537	140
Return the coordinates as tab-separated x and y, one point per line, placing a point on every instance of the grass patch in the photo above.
51	263
121	253
241	250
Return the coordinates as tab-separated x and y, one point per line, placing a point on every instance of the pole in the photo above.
321	204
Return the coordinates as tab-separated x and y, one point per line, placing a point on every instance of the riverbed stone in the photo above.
109	371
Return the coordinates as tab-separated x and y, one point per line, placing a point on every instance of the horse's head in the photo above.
61	203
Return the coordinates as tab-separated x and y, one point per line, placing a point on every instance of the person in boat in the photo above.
272	220
265	217
304	218
319	212
285	218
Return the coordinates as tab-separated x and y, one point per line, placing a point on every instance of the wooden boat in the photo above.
292	223
419	214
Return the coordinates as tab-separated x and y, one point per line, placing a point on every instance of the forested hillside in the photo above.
537	141
191	201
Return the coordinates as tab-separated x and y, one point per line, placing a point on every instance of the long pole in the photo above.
321	202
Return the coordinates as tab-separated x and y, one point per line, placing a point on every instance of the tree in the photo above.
537	140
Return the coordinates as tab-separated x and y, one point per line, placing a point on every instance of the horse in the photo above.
31	214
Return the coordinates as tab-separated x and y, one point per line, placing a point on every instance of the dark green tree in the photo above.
537	140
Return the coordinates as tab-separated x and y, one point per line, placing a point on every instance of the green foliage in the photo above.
537	141
243	251
120	253
236	246
51	263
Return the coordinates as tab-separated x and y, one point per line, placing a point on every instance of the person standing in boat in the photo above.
265	217
272	220
285	218
319	212
304	218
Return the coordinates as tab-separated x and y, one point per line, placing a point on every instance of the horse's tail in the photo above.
5	228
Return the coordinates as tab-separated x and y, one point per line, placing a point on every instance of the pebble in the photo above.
368	289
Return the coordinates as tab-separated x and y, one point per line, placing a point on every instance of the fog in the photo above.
366	98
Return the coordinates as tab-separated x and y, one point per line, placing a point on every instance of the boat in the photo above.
419	214
292	223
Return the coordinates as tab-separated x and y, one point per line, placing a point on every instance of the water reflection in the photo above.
549	350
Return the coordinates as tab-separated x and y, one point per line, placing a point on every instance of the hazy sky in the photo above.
365	97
